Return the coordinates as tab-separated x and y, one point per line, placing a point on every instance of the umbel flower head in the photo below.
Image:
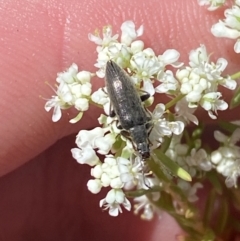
160	182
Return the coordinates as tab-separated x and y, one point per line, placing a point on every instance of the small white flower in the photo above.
81	104
107	37
230	26
129	33
96	139
85	156
130	171
145	64
104	143
143	205
199	159
86	138
97	171
69	76
61	101
185	113
162	127
101	97
214	4
84	77
190	190
227	158
170	57
113	201
169	83
94	186
211	103
137	46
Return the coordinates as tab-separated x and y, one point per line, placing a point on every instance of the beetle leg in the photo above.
144	97
127	135
112	113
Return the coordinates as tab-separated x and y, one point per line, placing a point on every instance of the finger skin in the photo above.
47	199
39	39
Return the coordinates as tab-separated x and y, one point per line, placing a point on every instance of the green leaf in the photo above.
173	167
235	197
141	192
213	178
154	167
236	99
221	222
165	144
165	202
228	126
236	224
209	207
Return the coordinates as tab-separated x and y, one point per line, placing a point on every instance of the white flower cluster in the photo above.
226	158
213	4
122	169
200	82
142	64
230	26
125	170
73	89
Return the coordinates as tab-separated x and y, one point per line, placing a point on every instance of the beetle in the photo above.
127	106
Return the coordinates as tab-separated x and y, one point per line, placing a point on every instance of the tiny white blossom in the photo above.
214	4
130	171
86	138
85	156
199	159
162	127
61	101
229	27
170	57
84	76
101	97
137	46
96	139
81	104
94	186
168	82
189	189
97	171
69	75
227	158
143	205
129	33
211	103
113	201
145	64
184	113
107	37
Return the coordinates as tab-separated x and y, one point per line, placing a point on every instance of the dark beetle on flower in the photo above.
127	105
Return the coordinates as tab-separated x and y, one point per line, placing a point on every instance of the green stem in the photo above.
235	76
174	101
